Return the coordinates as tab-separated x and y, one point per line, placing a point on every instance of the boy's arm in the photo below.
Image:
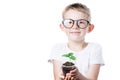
57	70
93	71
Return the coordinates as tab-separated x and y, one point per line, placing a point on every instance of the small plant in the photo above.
70	56
68	65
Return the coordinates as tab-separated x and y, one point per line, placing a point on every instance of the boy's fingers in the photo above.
61	77
69	76
73	71
72	78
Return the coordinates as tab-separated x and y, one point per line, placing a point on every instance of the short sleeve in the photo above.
52	54
96	56
55	53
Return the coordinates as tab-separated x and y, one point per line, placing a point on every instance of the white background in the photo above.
29	28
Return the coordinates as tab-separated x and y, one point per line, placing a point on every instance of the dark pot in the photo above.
67	66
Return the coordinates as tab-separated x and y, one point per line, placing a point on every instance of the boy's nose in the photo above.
75	25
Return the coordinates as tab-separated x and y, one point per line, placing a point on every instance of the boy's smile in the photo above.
75	32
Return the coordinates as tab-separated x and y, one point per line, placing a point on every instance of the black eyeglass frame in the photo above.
88	23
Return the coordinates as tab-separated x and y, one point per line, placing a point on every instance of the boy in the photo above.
76	24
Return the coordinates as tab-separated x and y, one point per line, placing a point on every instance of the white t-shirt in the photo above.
92	54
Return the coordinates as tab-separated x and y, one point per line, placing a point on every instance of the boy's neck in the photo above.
77	46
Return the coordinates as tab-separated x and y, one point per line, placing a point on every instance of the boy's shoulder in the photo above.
94	45
59	45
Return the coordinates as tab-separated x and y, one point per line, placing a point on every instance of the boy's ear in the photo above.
61	27
90	28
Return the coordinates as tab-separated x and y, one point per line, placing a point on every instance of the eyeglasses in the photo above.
81	23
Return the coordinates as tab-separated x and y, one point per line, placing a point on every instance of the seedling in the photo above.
67	66
70	56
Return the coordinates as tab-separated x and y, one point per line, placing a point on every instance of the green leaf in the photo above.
65	55
70	56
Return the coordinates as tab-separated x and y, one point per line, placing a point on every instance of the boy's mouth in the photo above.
75	32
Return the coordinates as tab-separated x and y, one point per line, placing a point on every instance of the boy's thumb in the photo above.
61	77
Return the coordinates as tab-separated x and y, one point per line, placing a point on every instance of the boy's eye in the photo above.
68	21
81	22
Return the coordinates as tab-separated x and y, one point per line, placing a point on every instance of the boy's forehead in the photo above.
74	14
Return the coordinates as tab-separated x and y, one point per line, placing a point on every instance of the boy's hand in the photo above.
72	75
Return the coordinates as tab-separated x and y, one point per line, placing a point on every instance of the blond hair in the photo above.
79	7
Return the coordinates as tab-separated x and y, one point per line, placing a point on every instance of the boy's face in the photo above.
75	33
